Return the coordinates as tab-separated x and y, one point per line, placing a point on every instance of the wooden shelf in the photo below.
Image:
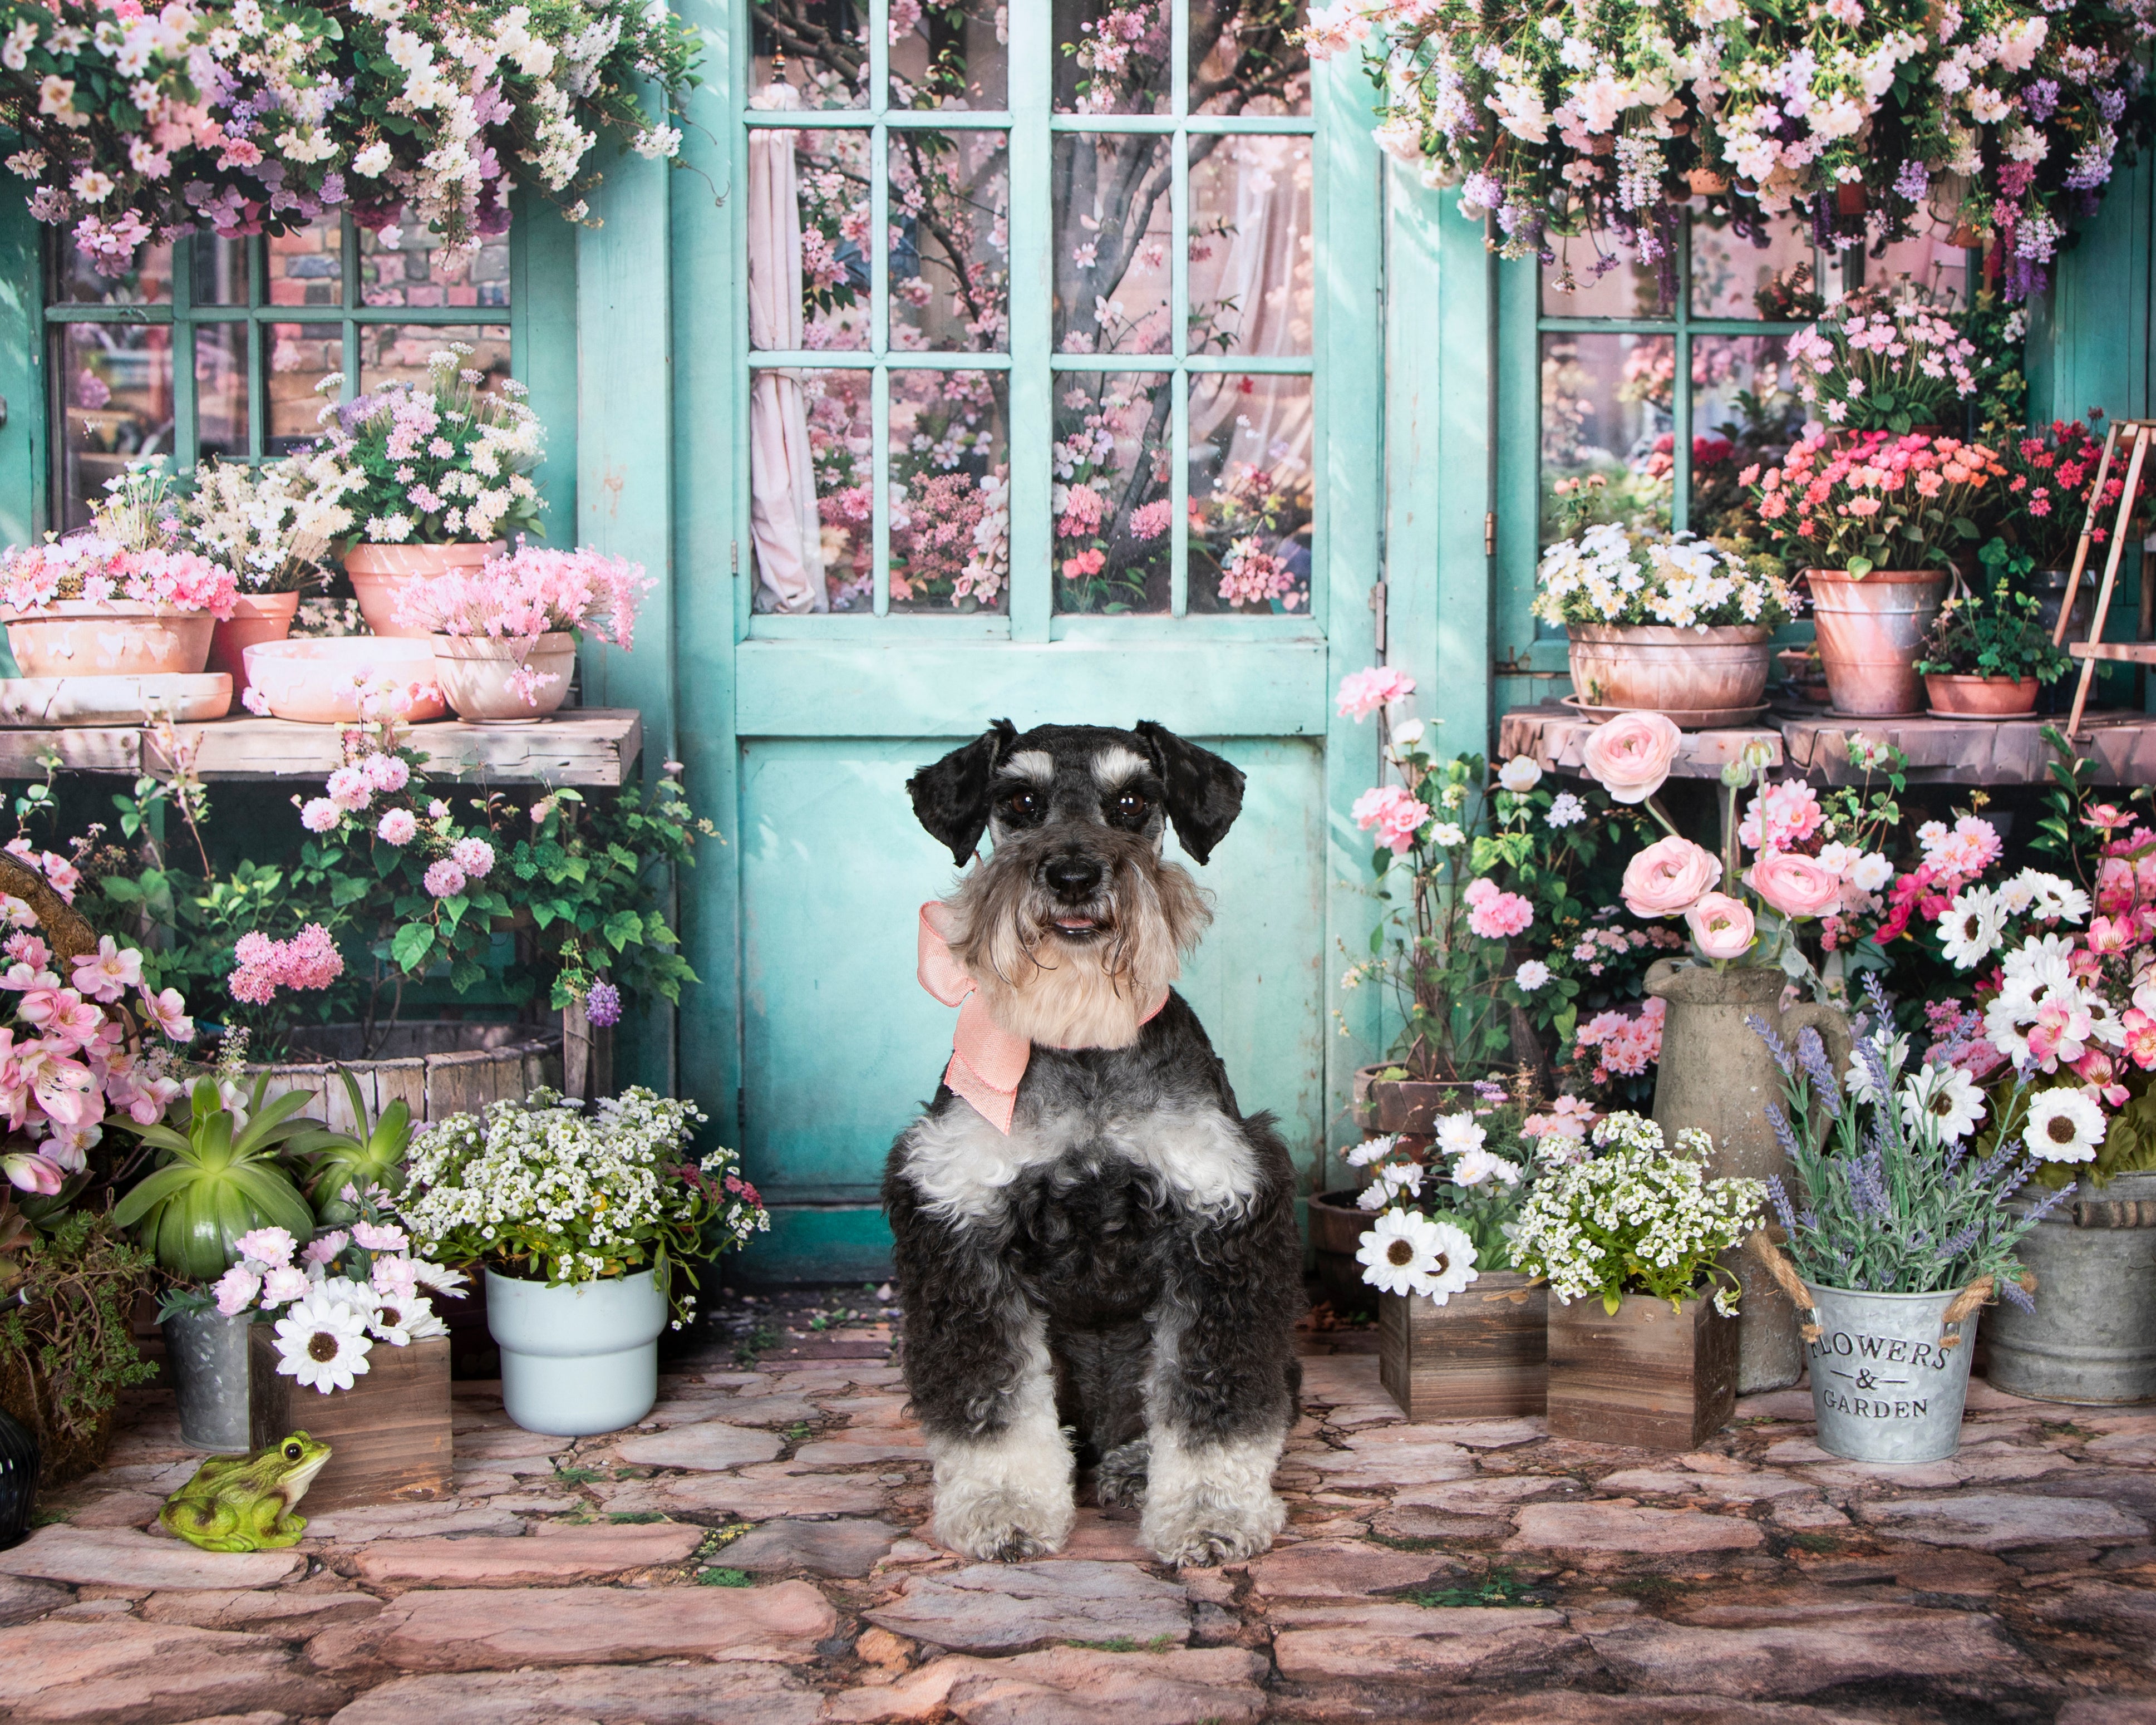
592	746
1941	751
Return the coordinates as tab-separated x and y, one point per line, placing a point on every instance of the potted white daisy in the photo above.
1642	1316
1461	1334
1900	1227
348	1347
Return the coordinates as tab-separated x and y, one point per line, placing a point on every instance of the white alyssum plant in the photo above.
1638	1218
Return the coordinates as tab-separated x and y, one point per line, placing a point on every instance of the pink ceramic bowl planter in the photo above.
379	573
491	681
76	637
256	617
321	682
1982	697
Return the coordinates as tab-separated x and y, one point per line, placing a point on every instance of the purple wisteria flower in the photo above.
603	1005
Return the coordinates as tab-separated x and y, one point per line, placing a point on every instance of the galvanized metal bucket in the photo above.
208	1353
1883	1387
2091	1338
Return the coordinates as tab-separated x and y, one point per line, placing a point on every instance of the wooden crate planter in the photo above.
436	1069
1483	1354
388	1433
1648	1377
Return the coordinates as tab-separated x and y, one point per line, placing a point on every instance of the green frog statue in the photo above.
245	1502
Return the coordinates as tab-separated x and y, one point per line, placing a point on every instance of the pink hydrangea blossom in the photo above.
310	960
398	826
475	856
319	815
529	593
349	789
1498	915
1625	1044
386	773
1363	692
444	879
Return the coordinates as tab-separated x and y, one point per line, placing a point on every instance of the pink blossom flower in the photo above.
379	1236
349	790
396	1278
398	826
475	856
255	701
1669	877
437	810
1723	926
269	1247
531	592
1363	692
323	1248
1631	754
62	875
386	773
168	1011
1781	815
1795	886
287	1282
444	879
319	815
235	1290
1500	916
109	971
1397	816
310	960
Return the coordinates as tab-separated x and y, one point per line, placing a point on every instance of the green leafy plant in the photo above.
372	1156
67	1343
217	1179
1995	635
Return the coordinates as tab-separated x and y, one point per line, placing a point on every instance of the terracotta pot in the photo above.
1646	1377
1870	633
1706	182
1661	670
72	638
1407	1105
1717	1073
320	682
477	675
379	572
1982	697
1482	1355
256	617
1337	1227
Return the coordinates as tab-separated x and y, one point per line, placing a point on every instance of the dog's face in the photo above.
1076	921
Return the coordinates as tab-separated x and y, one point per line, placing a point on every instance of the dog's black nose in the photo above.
1072	878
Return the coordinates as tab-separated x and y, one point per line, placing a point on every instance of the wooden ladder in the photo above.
2095	647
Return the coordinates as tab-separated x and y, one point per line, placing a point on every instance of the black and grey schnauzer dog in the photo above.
1124	1260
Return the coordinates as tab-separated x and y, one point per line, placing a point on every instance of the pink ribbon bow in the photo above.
987	1060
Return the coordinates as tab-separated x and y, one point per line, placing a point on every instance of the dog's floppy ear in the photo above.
951	799
1205	792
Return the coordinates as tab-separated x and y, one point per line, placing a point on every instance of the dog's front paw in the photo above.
1002	1527
1120	1481
1213	1536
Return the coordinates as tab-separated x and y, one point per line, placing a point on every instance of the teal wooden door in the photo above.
1123	312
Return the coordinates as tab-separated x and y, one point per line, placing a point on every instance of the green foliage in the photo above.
1996	634
718	1576
67	1344
1502	1586
217	1180
372	1157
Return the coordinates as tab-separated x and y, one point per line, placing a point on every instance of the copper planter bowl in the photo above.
1869	633
1661	670
1982	697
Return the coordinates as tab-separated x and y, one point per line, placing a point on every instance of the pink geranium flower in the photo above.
1363	692
443	879
1397	816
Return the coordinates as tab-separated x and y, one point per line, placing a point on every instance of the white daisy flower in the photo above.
2057	899
1409	1254
1969	931
1479	1165
1946	1096
2064	1124
322	1342
1368	1151
1459	1133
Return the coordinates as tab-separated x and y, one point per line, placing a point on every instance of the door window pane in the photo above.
840	443
1246	58
831	182
826	45
1747	271
220	269
948	56
306	265
398	352
1607	422
1599	275
148	280
1111	545
1113	229
1249	245
950	241
114	384
1743	412
299	356
950	500
221	389
1251	493
419	270
1112	56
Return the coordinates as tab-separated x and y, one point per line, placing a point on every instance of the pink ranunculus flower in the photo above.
1669	877
1721	926
397	827
1631	756
1500	916
445	880
1795	886
235	1291
1362	692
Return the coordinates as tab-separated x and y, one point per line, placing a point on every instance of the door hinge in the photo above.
733	548
1378	608
1490	533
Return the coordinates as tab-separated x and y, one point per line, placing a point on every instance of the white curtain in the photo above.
1267	273
783	521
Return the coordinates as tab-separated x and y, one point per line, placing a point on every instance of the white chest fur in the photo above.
963	1167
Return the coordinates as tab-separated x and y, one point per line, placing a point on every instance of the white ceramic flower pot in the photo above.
578	1359
478	675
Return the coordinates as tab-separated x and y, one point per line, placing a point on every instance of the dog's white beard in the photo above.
1063	997
1009	1496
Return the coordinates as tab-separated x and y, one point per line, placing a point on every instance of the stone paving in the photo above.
754	1554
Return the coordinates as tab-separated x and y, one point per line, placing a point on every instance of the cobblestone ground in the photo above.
753	1555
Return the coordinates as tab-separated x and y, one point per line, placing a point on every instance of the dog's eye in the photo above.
1130	805
1022	805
